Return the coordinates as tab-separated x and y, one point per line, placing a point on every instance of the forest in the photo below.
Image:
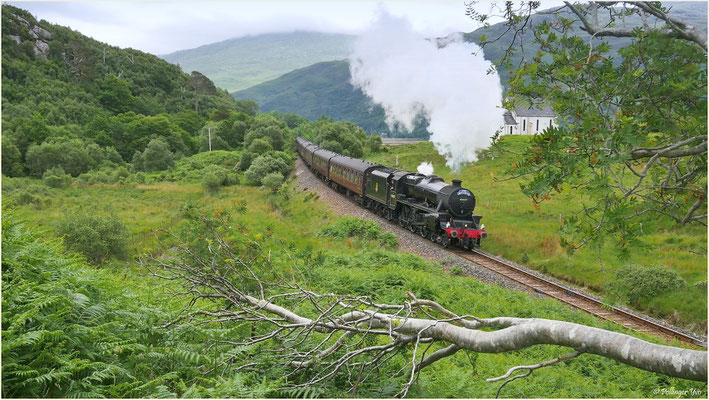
155	243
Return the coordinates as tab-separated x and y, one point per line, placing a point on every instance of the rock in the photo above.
15	38
22	20
41	32
41	49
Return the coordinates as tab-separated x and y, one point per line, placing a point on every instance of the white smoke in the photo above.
425	168
408	74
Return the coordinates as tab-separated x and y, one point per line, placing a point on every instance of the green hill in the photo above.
322	89
240	63
64	91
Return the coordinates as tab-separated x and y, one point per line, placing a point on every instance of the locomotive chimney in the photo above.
456	182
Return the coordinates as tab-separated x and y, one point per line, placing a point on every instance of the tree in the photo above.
275	135
321	337
260	146
11	158
157	156
70	155
341	137
632	134
248	107
115	94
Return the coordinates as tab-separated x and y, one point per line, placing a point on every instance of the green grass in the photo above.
516	230
288	231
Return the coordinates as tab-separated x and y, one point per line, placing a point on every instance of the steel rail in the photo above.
578	299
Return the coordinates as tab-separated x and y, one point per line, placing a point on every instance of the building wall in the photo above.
528	125
533	125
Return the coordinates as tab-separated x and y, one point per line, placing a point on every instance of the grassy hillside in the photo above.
74	102
239	63
520	232
322	89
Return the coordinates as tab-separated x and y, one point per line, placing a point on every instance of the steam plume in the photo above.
408	75
425	168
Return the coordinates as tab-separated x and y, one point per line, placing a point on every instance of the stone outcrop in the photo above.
41	49
38	32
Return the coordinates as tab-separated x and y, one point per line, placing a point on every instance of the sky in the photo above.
162	27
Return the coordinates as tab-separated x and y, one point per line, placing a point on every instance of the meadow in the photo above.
520	232
289	226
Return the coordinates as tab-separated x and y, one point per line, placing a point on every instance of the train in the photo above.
424	204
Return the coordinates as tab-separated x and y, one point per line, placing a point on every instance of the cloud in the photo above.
446	81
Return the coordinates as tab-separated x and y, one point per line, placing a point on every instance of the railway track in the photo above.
580	300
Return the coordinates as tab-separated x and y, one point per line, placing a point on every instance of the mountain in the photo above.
324	88
694	13
237	64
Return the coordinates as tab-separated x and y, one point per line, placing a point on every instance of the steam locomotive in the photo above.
423	204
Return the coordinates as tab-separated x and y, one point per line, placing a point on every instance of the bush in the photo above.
97	237
120	173
357	227
245	161
272	181
264	165
637	284
214	177
35	195
56	178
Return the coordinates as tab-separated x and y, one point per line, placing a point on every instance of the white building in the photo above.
528	121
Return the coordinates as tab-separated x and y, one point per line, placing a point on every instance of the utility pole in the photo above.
209	133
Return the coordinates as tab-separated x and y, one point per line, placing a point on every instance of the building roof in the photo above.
509	119
535	112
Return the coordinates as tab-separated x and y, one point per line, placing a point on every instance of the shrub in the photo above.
56	178
637	284
264	165
214	177
35	195
120	173
245	161
272	181
357	227
212	181
139	177
97	237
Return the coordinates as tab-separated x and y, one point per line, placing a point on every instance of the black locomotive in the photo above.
424	204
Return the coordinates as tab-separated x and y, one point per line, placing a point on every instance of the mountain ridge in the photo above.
238	63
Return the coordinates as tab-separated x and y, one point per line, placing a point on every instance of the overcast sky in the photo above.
161	27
